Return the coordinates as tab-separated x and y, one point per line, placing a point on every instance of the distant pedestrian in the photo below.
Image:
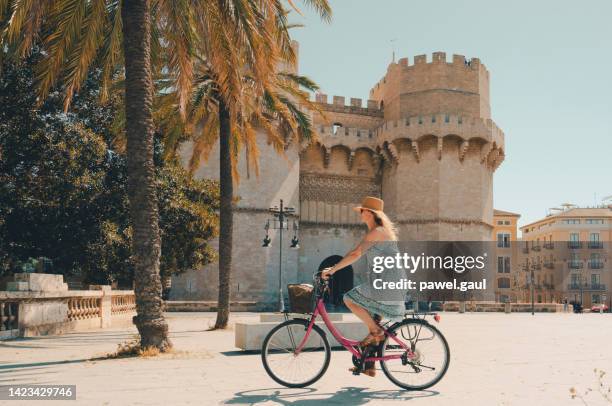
565	305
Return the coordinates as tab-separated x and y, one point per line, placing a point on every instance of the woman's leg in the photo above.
363	315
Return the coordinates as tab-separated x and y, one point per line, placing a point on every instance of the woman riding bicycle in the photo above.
364	300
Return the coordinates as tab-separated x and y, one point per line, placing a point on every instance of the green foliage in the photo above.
63	188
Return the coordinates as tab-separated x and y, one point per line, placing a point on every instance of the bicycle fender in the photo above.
412	321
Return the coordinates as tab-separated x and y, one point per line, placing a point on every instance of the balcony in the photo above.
537	267
574	244
525	250
595	244
548	286
573	264
536	248
549	264
586	286
595	264
549	245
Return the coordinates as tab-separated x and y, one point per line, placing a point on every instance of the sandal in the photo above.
372	339
369	371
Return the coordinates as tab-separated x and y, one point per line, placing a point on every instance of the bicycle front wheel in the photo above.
424	365
285	364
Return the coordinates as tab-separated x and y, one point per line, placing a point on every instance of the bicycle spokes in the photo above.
289	366
416	357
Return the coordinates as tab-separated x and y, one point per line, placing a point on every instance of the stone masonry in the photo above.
424	142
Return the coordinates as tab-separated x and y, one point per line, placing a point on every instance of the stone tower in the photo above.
424	142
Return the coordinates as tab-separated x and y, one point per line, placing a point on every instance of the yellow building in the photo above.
568	253
507	287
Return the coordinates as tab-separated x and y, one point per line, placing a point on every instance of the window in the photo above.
503	264
507	222
595	261
596	298
571	221
594	221
503	283
503	240
595	279
574	261
335	128
574	241
500	222
594	241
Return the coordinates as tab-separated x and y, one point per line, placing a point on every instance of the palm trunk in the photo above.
146	244
225	216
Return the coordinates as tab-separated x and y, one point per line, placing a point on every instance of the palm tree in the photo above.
244	116
278	112
145	37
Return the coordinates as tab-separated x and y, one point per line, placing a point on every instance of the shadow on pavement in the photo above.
310	396
13	367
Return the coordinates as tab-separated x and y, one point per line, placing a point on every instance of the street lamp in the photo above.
295	242
279	223
530	268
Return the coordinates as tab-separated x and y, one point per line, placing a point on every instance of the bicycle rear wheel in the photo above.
429	362
281	362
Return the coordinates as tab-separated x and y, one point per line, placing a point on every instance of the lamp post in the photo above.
281	213
527	267
532	277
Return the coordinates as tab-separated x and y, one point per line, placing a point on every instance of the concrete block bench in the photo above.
250	335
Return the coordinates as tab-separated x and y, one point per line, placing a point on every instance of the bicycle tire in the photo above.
315	329
390	376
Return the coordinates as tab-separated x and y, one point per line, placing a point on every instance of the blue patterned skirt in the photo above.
394	311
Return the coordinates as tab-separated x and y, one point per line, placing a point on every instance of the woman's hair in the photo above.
383	221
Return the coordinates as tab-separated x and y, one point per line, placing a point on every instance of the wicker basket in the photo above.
300	298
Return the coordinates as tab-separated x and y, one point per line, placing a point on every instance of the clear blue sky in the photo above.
551	80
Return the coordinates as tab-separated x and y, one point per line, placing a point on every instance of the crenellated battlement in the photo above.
355	106
437	58
440	57
416	127
426	86
470	132
440	125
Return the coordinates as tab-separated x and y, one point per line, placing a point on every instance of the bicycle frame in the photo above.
350	345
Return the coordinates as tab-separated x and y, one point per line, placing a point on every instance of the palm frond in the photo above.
66	21
85	51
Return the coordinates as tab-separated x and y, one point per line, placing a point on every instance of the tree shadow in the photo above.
11	367
310	396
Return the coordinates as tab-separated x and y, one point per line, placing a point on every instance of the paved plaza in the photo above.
496	359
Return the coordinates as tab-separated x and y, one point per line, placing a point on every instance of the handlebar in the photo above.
321	285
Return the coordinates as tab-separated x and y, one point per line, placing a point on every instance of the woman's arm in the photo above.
368	240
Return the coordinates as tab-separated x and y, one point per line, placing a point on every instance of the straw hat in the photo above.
371	203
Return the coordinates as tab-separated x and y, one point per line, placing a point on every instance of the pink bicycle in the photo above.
414	354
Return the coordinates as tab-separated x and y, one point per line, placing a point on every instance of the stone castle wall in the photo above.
424	142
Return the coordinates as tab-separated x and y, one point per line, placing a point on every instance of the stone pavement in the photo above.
496	359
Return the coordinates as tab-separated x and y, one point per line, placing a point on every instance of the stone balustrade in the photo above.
484	306
31	309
